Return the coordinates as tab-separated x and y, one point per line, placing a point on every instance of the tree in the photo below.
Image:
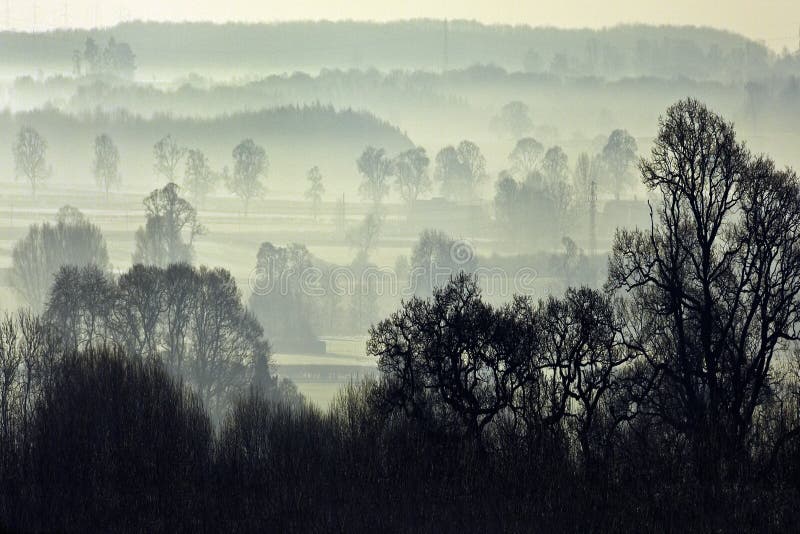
514	119
125	425
315	189
30	151
167	155
199	179
36	258
106	163
364	237
191	319
507	203
171	227
561	196
436	258
92	54
81	305
618	155
525	157
375	168
460	170
411	174
226	341
116	58
280	300
555	166
713	286
250	165
77	63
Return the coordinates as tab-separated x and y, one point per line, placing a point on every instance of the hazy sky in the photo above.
775	22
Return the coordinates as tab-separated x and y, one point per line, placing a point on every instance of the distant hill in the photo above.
164	49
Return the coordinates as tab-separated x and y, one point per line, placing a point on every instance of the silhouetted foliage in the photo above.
376	170
459	170
30	151
192	319
250	164
168	235
36	258
619	154
315	189
106	163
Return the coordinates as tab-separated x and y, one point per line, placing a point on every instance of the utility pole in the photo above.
592	218
34	16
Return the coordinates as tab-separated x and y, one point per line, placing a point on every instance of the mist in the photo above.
343	271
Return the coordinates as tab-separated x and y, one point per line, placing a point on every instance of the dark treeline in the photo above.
668	400
619	51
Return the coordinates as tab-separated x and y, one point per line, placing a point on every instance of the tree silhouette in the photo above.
315	189
619	154
171	227
250	164
167	156
376	169
106	163
30	151
715	282
411	174
199	179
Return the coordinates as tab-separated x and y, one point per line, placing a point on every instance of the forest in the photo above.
547	281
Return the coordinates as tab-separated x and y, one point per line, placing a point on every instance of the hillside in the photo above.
632	50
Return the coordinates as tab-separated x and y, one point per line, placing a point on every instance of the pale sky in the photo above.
775	22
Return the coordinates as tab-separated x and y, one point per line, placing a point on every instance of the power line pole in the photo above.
34	16
592	217
8	16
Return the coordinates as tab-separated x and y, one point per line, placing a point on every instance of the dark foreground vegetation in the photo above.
668	401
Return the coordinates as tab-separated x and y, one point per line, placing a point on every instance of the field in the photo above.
231	241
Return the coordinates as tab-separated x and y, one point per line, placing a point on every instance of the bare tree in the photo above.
37	257
250	165
364	237
225	338
106	163
460	170
199	179
514	119
619	155
315	189
171	227
375	168
588	170
30	150
167	155
411	174
525	157
714	284
555	166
